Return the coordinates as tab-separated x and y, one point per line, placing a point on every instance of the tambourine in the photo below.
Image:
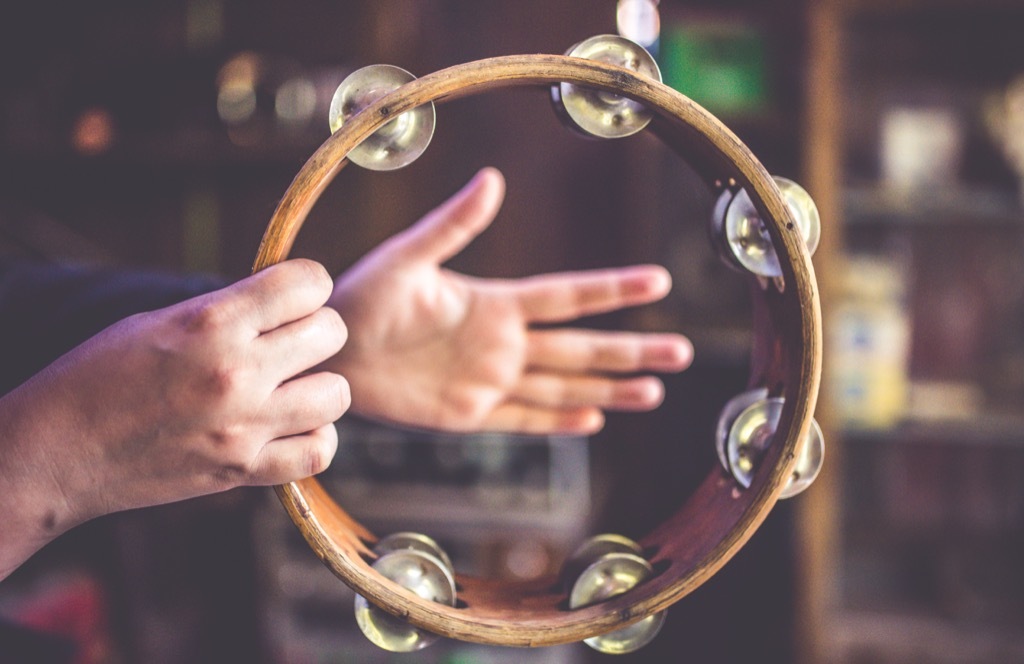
613	590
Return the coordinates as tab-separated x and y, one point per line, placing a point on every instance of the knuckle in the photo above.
612	355
224	381
465	408
545	342
228	442
208	317
496	371
231	475
236	463
232	455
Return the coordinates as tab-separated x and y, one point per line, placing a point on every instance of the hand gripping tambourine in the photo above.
613	592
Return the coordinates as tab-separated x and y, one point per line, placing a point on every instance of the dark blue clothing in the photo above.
46	310
20	645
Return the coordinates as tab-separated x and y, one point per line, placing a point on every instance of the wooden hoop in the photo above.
718	519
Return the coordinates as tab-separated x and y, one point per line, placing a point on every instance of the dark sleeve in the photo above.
46	310
22	645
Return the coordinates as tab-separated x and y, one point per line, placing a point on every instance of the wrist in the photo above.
34	505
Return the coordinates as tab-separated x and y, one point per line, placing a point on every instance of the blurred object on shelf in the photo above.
295	101
870	343
204	24
639	21
951	317
720	63
966	303
920	149
259	95
391	477
1004	118
944	400
949	206
887	636
924	491
202	233
966	294
94	131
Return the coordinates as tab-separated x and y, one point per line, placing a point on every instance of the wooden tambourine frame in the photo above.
719	517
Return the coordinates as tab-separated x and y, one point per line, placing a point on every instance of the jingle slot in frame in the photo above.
717	519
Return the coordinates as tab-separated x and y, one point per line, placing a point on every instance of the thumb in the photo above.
449	228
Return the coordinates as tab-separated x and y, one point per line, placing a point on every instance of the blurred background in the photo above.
160	135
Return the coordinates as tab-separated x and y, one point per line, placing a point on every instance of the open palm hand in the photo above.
429	347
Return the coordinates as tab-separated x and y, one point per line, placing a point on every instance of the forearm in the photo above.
34	507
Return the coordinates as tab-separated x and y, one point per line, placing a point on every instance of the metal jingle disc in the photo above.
419	572
415	541
730	412
607	577
808	464
606	114
751	434
716	230
594	548
398	143
748	239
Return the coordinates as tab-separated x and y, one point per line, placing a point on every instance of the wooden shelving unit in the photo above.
910	540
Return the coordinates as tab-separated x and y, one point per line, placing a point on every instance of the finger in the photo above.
514	417
295	457
446	230
306	403
569	295
280	294
301	345
582	351
561	391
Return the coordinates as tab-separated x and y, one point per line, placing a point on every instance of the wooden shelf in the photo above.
888	636
985	429
932	208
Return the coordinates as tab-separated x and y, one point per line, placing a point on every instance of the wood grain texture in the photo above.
715	522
